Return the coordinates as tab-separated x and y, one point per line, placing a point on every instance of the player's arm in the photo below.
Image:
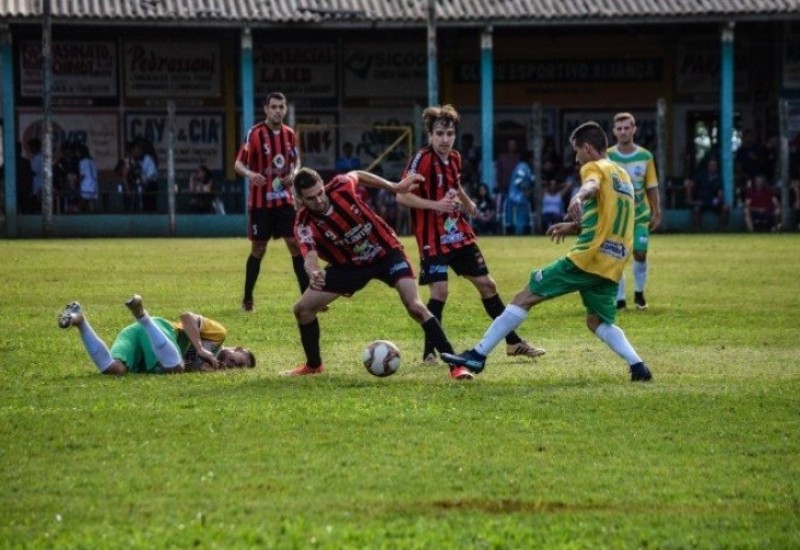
316	275
368	179
288	181
191	323
468	206
588	190
243	170
653	199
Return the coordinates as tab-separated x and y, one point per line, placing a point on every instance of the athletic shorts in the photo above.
561	277
641	237
270	223
349	279
132	346
466	261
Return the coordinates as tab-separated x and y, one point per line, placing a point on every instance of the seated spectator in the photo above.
761	207
201	186
485	221
553	203
348	161
704	193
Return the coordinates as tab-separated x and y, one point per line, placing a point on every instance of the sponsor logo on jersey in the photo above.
614	249
402	266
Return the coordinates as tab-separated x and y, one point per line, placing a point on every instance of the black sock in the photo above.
300	272
251	276
437	308
494	307
309	336
435	334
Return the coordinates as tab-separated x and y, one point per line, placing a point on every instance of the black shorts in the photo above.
466	261
349	279
270	223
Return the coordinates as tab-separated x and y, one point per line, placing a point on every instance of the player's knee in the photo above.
487	287
592	322
418	311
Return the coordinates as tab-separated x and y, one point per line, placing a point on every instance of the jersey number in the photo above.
623	216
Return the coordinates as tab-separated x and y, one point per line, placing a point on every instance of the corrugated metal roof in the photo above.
396	12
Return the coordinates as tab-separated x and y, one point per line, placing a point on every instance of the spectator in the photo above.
387	208
704	193
506	163
24	181
553	203
761	207
145	155
65	178
37	170
750	160
87	173
484	222
470	163
201	187
348	161
794	202
518	203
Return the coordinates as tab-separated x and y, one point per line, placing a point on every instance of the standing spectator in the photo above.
518	203
484	221
639	164
88	186
37	170
439	209
601	213
65	177
506	162
348	161
470	163
762	210
336	226
131	171
553	203
269	159
148	168
704	192
24	180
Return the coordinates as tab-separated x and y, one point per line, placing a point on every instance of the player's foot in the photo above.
638	298
136	307
247	305
71	316
303	369
621	304
524	348
470	359
461	373
640	373
430	359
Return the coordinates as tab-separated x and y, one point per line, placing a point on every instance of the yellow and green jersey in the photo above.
212	333
606	236
642	170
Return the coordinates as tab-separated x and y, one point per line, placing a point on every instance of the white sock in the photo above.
510	319
613	336
621	289
639	275
95	347
166	352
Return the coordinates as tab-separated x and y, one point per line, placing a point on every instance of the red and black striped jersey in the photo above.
274	155
438	233
350	233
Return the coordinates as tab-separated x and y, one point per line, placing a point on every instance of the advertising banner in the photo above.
81	69
172	69
198	138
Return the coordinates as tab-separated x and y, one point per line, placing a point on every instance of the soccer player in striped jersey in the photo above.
638	163
269	159
439	210
604	207
336	226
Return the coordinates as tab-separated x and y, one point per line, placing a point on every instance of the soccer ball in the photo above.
381	358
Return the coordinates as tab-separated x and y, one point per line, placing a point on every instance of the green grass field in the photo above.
559	452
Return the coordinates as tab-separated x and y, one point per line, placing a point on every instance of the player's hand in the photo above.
288	181
257	179
559	231
575	209
409	183
655	221
316	279
208	357
470	208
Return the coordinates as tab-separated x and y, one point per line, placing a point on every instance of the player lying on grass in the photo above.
155	345
336	226
604	206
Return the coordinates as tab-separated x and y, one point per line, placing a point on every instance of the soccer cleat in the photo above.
247	305
638	298
304	369
461	373
470	359
71	316
621	304
524	348
640	373
430	359
136	307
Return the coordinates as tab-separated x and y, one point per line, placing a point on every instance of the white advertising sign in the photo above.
198	138
385	70
80	69
174	69
306	71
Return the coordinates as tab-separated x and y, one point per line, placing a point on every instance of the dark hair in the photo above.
591	133
306	178
446	113
274	95
251	357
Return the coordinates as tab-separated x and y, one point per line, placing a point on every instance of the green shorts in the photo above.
133	346
561	277
641	236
